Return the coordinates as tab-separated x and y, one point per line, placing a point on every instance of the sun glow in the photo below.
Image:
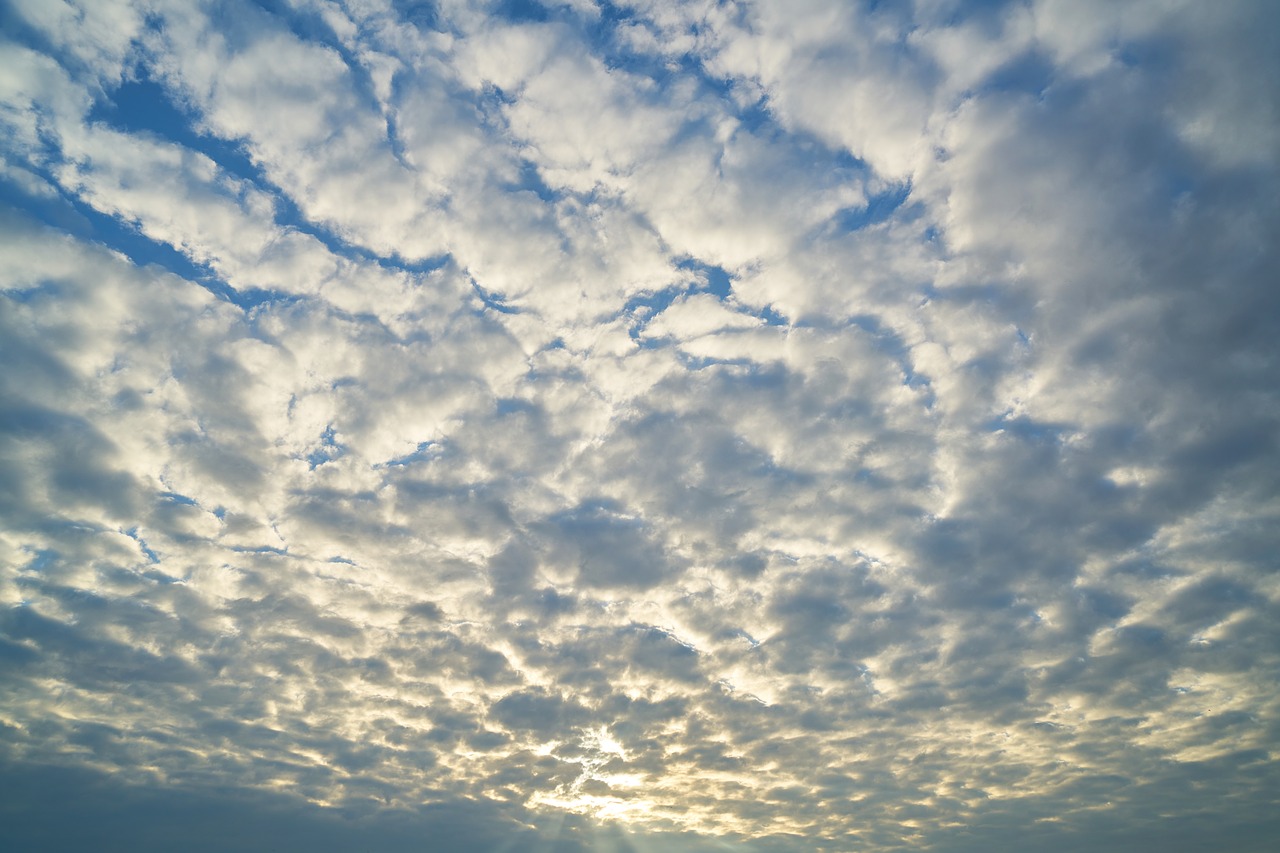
594	791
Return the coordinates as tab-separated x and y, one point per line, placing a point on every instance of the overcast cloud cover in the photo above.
758	425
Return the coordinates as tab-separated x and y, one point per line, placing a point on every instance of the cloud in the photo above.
638	426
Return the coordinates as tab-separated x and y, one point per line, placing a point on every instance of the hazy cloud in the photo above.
639	425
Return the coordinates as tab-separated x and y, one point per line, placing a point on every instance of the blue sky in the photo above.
725	424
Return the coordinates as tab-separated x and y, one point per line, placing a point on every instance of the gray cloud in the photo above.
639	426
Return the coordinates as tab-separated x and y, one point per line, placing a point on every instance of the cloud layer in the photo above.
641	425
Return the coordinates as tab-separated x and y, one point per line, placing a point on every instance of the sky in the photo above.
620	426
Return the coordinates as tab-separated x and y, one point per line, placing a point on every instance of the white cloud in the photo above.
799	425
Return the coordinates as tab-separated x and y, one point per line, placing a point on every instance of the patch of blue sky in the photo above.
769	315
43	290
709	279
310	26
1030	73
492	301
144	106
600	34
716	279
133	534
71	215
328	450
426	451
643	307
522	11
263	550
879	208
14	27
891	344
531	181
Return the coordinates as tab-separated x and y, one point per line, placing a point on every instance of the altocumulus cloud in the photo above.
639	425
